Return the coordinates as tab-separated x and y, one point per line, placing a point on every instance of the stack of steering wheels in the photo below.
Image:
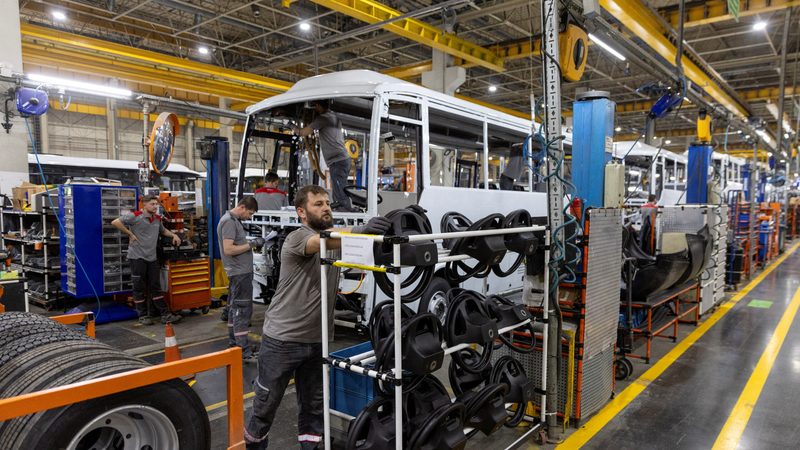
431	419
489	251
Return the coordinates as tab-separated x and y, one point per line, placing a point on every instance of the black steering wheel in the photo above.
355	193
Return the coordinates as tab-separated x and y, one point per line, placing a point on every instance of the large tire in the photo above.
434	299
38	355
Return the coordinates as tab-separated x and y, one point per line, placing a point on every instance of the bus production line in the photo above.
492	248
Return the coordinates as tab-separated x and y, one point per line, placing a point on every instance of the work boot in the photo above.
145	320
252	359
171	318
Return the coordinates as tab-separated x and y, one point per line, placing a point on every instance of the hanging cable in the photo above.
61	228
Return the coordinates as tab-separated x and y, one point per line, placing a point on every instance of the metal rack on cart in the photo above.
357	364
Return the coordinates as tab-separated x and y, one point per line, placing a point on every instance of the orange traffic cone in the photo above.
173	353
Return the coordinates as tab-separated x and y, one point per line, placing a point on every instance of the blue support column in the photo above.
592	133
218	199
697	179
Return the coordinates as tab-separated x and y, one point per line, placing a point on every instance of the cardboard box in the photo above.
21	196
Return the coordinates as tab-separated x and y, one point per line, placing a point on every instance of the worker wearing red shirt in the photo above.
269	197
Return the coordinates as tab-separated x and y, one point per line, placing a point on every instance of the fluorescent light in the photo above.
305	26
58	15
492	88
783	161
747	136
618	129
607	47
80	86
738	131
202	50
786	135
667	142
769	153
760	25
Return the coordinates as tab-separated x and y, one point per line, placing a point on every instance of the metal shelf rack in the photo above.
357	363
43	246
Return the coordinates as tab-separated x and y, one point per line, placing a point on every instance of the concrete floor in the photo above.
684	406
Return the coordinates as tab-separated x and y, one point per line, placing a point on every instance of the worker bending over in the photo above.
143	228
237	259
291	346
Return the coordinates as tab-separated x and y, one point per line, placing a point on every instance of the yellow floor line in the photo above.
251	394
737	421
605	415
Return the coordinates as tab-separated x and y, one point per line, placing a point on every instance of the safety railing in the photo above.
83	318
68	394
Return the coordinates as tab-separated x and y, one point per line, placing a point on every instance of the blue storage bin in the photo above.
350	392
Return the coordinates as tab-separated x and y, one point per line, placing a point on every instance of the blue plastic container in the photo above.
350	392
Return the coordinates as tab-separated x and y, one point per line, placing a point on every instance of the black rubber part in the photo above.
373	428
34	338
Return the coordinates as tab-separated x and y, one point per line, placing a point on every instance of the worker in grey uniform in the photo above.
237	259
331	143
143	228
291	344
269	197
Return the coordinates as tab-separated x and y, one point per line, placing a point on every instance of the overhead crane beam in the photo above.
371	11
644	24
714	11
509	52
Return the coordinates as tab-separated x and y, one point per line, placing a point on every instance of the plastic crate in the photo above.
350	392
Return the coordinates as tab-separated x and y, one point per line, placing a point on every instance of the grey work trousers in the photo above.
147	294
240	311
278	363
339	171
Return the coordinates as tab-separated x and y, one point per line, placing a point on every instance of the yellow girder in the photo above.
643	23
158	60
371	11
714	11
97	110
97	64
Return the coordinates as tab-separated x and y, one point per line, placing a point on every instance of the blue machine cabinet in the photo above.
592	134
86	212
699	162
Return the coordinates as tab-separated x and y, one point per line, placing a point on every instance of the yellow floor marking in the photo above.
620	401
251	394
737	421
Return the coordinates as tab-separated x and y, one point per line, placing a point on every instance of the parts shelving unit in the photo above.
44	246
87	211
357	363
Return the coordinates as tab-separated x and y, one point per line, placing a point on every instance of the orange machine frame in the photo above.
60	396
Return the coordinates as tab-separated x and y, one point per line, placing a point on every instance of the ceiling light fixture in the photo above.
667	142
760	25
59	15
80	86
492	88
305	26
618	129
607	47
202	50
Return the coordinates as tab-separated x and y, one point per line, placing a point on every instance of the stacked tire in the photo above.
37	353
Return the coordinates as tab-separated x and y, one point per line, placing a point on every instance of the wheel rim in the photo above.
136	427
438	305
